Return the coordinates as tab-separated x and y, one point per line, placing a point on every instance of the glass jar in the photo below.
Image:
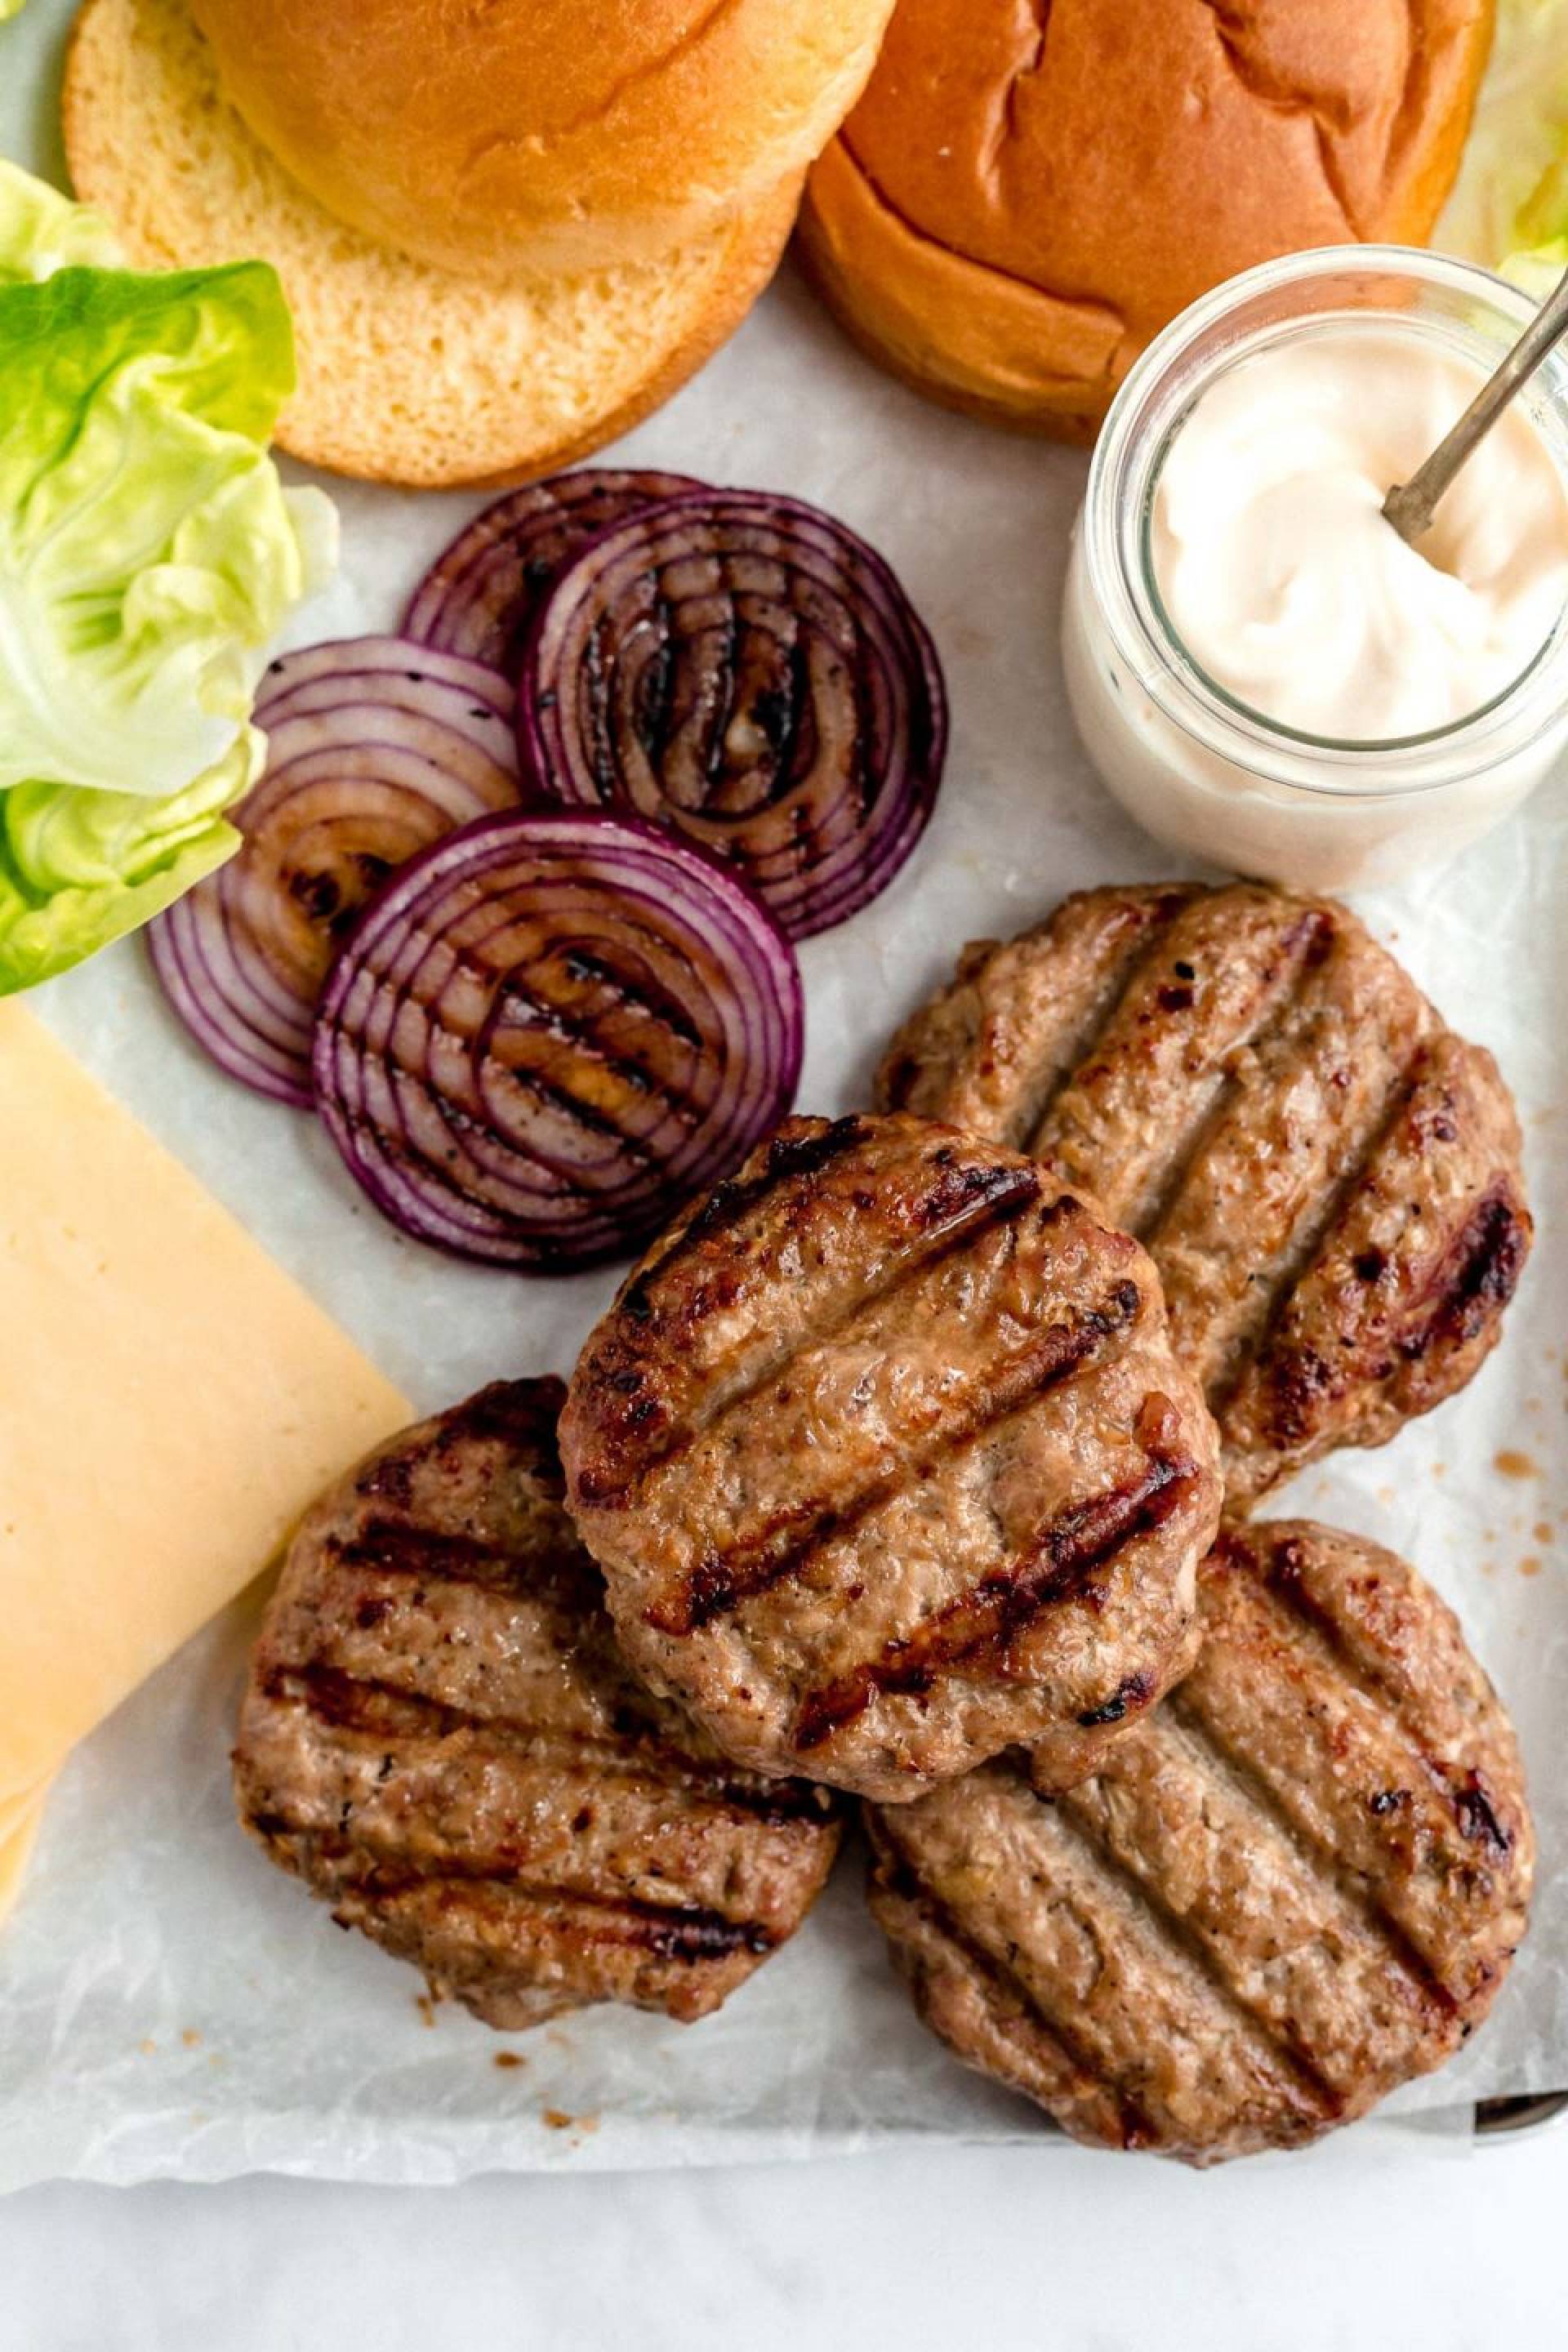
1199	768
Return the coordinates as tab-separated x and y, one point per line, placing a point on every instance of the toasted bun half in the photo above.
1024	197
542	134
407	373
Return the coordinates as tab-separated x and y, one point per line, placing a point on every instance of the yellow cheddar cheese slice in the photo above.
170	1402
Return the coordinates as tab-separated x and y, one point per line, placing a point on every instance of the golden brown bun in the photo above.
542	134
1025	194
406	373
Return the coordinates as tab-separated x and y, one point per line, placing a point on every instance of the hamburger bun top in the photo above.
407	373
1024	196
540	134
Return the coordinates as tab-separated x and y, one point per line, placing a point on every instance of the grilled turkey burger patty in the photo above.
1326	1176
439	1738
1296	1885
888	1463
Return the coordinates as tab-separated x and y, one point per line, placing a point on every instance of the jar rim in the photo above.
1141	628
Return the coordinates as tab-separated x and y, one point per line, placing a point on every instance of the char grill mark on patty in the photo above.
958	1060
1265	2020
1326	1179
790	1160
1182	1041
683	1932
1271	1903
374	1740
1479	1276
899	1505
1275	1589
425	1553
464	1932
440	1737
1008	1992
787	1543
1098	1964
1356	1919
375	1772
644	1431
1402	1294
1297	1123
973	1632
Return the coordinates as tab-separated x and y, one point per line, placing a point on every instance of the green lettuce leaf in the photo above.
1509	204
42	231
80	869
1542	253
148	554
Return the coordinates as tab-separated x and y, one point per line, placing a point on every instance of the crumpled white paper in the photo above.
169	2002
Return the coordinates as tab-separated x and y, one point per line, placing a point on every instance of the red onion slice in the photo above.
742	668
342	660
480	593
376	749
550	1030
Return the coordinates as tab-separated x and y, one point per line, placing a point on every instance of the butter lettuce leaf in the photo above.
148	554
78	870
1509	203
1542	253
42	231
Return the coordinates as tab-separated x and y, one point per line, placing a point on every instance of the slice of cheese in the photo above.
170	1402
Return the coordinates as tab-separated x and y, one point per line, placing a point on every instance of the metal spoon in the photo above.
1408	506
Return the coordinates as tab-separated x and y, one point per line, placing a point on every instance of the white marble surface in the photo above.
1372	2243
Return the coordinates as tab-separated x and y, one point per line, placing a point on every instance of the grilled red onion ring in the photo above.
317	677
551	1030
375	749
479	595
742	668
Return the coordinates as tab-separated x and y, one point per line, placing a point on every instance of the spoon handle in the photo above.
1408	506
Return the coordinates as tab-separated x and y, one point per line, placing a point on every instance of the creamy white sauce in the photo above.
1283	581
1285	585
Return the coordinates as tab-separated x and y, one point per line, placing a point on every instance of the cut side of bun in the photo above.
542	134
1024	197
407	373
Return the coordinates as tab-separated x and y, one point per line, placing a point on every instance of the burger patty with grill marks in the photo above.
888	1464
439	1737
1297	1885
1326	1176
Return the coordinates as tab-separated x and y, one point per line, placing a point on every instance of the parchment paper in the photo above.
169	2003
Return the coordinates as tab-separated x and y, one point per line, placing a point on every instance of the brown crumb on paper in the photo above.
509	2058
191	2038
1529	1565
1510	1463
554	2120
